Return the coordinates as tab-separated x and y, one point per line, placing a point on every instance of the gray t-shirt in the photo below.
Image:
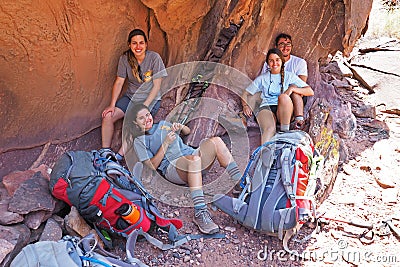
146	146
151	68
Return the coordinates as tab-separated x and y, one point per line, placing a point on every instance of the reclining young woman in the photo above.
159	146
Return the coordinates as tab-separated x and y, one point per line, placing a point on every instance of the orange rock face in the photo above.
58	58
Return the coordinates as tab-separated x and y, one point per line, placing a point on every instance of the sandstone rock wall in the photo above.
58	58
57	63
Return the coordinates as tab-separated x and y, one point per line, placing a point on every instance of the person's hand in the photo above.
170	138
176	127
289	91
247	110
107	110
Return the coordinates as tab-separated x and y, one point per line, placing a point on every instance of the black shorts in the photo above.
123	103
273	108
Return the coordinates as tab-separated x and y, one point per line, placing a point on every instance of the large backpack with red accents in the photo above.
97	185
279	186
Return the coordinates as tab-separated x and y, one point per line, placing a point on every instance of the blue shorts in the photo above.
123	103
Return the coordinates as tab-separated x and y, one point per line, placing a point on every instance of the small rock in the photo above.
341	84
177	213
201	246
230	229
365	168
383	178
8	217
34	219
52	231
366	111
186	258
176	255
376	126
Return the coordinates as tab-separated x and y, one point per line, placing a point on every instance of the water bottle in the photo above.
129	213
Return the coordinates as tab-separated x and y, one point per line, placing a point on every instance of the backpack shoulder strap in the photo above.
286	157
93	253
173	234
258	183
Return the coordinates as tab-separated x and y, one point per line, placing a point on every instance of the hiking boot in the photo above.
297	124
107	153
202	218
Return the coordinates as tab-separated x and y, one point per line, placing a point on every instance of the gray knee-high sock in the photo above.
198	199
233	171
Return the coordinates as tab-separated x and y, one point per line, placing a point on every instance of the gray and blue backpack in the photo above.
279	185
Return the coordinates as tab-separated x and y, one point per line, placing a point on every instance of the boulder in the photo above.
52	231
32	195
12	240
77	226
34	219
13	180
327	143
7	217
365	111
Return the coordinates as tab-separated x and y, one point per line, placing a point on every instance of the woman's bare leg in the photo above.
285	111
107	126
267	122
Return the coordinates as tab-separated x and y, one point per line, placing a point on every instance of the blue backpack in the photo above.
72	252
279	185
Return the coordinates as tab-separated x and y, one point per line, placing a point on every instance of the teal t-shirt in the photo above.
270	86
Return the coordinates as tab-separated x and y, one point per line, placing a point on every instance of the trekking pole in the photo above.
353	223
191	106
